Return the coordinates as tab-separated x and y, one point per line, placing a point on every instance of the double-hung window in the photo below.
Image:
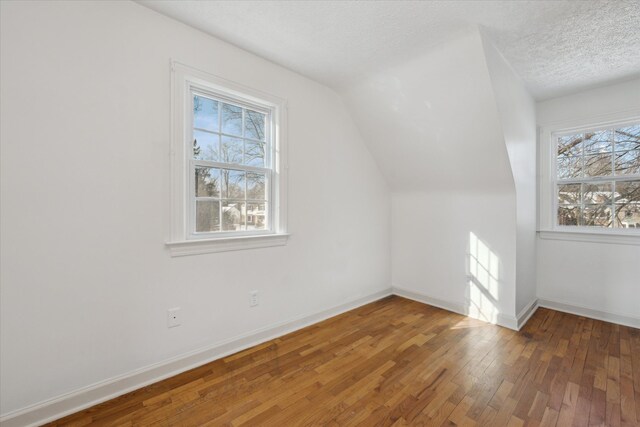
230	166
597	178
228	160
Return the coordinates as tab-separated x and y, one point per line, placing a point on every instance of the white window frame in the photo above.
548	227
183	240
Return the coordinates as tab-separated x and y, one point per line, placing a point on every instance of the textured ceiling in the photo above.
556	47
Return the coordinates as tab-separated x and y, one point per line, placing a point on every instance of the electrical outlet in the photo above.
253	299
173	317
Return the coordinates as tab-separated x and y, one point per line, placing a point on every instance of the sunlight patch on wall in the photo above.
484	280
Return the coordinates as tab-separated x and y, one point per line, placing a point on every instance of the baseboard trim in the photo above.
578	310
505	321
425	299
526	313
94	394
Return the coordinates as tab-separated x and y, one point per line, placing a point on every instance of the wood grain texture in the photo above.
397	362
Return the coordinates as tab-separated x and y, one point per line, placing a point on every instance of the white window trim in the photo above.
547	203
180	241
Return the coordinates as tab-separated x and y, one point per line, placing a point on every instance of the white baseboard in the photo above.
579	310
425	299
507	321
94	394
517	322
526	313
502	320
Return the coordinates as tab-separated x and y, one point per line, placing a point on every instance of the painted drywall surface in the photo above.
598	276
590	104
431	236
432	123
518	118
86	279
336	42
433	126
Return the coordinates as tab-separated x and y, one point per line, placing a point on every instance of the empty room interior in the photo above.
320	213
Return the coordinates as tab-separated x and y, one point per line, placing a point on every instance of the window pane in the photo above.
256	188
628	217
628	204
205	113
254	125
231	119
207	216
597	216
597	165
233	216
569	194
256	216
232	184
627	138
254	153
568	215
628	192
205	146
569	156
231	150
597	154
207	182
601	193
598	142
570	145
627	163
569	167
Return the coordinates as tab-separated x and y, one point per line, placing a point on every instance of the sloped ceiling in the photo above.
415	76
556	47
432	122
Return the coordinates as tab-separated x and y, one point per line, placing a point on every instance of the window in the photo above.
597	177
228	160
230	165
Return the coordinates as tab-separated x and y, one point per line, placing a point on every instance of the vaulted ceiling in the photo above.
556	47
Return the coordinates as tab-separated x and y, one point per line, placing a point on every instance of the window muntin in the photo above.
597	180
231	170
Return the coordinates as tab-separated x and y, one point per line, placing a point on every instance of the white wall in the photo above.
590	104
86	279
518	118
433	126
431	236
603	278
433	120
600	277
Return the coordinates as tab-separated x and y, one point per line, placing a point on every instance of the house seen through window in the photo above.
598	178
231	166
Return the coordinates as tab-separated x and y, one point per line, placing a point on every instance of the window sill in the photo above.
225	244
592	236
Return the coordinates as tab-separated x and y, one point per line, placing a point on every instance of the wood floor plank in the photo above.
397	362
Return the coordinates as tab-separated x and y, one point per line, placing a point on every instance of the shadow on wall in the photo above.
483	272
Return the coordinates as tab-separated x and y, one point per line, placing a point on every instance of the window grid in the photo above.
584	180
226	167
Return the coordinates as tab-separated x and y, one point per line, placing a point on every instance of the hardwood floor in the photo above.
398	362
